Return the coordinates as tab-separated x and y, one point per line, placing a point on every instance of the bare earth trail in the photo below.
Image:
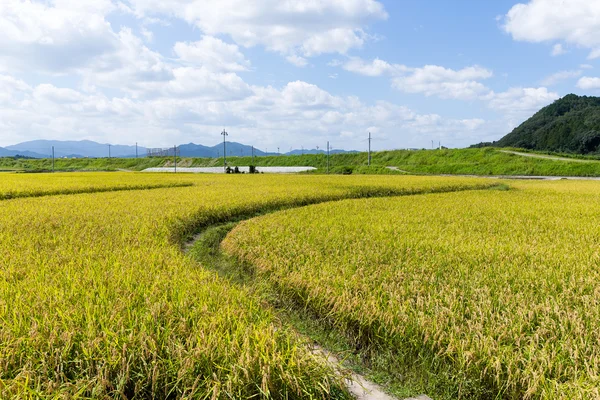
358	385
397	169
547	157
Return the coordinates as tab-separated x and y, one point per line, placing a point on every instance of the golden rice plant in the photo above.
44	184
497	292
97	299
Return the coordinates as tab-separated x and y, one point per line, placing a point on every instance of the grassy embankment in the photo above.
486	161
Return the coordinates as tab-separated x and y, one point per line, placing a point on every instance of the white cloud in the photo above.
304	95
203	83
147	34
129	67
586	66
430	80
575	22
560	76
337	40
376	67
518	104
50	93
514	105
305	28
267	115
297	60
558	50
212	53
56	37
588	83
12	90
594	54
117	87
444	82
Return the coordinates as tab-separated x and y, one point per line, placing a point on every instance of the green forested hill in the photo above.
570	124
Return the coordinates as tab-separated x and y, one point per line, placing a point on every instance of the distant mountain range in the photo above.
79	149
87	148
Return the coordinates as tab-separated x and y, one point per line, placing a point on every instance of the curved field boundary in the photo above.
9	195
204	247
187	231
98	301
492	293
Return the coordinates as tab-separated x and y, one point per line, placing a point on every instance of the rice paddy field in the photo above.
98	300
471	294
35	185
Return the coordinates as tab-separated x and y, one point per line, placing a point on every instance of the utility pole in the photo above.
136	155
109	151
278	152
225	134
369	162
328	156
432	145
440	144
175	157
52	158
252	155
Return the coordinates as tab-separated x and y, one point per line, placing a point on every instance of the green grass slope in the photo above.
476	161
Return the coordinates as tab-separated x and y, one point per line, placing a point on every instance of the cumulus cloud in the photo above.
12	90
444	82
514	105
518	104
297	60
302	28
55	37
376	67
212	53
260	114
560	76
430	80
119	88
588	83
129	68
575	22
558	50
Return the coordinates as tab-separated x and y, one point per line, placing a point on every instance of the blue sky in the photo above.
289	73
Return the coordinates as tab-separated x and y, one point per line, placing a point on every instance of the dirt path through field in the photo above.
398	169
547	157
360	387
205	248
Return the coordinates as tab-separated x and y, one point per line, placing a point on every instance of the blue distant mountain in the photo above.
81	148
233	149
10	153
88	148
